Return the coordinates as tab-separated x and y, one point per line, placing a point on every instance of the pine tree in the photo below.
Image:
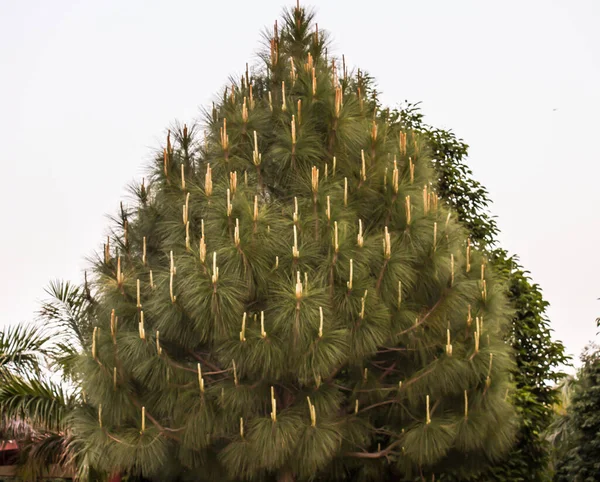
289	299
539	357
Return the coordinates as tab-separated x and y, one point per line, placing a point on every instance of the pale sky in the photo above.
87	88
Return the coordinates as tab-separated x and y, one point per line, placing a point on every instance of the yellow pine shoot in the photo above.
360	239
141	329
200	379
362	305
172	272
313	415
292	71
244	111
299	287
113	325
295	251
336	245
408	209
402	143
235	377
428	419
208	185
256	156
120	275
468	254
224	136
349	282
158	347
263	333
139	300
273	405
144	251
229	205
363	169
202	250
233	182
345	192
399	294
315	180
320	322
215	275
187	236
283	104
338	102
387	244
94	335
183	177
243	332
295	214
236	232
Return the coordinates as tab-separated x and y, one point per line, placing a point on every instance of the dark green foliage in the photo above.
581	462
289	298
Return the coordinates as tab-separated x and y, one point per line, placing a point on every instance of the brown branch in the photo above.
380	404
422	320
374	455
380	279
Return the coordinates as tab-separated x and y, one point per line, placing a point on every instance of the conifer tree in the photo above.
289	298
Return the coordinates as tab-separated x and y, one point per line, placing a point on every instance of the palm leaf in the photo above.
41	403
22	348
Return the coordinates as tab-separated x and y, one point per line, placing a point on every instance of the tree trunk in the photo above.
286	476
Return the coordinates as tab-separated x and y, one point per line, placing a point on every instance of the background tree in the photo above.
580	459
290	299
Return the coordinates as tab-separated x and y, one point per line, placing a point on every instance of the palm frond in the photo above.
22	348
67	309
41	403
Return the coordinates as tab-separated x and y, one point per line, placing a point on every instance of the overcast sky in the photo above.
87	88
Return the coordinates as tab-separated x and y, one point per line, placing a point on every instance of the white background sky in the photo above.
87	88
